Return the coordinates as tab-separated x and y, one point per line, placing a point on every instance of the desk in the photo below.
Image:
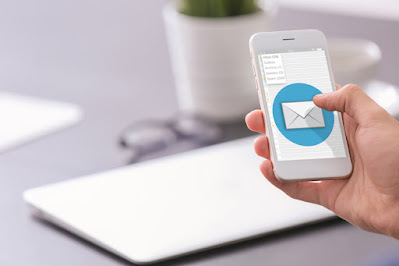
102	54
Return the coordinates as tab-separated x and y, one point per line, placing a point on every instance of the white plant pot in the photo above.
211	62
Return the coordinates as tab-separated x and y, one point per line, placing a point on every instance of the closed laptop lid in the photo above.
171	206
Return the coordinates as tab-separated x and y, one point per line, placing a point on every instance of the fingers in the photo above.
262	147
324	193
351	100
255	121
306	191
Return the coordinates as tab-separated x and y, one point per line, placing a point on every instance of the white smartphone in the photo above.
306	142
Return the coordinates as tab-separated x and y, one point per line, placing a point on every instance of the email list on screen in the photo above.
300	129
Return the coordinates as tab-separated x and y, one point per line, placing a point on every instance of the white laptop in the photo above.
172	206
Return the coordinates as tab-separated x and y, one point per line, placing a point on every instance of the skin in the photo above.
369	198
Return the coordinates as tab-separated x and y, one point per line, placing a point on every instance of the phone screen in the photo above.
300	129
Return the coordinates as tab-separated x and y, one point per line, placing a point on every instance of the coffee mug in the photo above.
354	61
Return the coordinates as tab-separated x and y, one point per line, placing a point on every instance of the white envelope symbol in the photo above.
302	115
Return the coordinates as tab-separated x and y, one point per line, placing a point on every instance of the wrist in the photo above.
391	225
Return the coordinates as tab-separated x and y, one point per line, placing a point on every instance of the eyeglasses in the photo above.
146	137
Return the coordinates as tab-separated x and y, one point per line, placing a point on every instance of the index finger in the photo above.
255	121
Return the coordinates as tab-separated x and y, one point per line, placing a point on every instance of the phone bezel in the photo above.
305	169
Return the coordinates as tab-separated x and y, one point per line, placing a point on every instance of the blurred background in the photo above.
112	59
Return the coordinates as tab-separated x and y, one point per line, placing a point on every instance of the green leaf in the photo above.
217	8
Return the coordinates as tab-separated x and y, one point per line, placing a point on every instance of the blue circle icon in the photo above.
297	120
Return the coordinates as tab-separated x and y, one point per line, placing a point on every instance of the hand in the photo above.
369	198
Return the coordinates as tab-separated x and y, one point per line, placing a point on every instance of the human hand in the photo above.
369	198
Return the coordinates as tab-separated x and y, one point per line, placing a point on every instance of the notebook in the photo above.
25	118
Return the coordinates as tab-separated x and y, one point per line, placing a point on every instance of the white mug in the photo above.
354	61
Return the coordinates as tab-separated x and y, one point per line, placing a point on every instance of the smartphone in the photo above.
306	142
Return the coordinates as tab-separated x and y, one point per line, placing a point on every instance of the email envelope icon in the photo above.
302	115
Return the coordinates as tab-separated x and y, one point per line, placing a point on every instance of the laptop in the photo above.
168	207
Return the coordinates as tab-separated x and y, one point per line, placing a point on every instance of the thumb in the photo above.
350	100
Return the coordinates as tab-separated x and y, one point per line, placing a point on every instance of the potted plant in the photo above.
208	44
